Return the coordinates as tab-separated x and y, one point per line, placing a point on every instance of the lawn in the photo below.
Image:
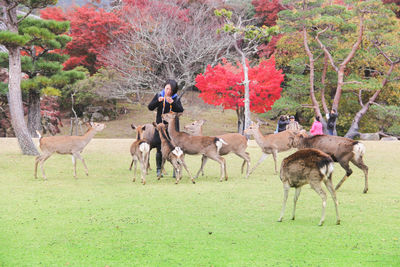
107	220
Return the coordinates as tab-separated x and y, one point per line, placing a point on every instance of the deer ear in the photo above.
133	126
178	114
154	124
202	122
91	124
144	128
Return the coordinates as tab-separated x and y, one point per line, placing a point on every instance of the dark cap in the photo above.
291	117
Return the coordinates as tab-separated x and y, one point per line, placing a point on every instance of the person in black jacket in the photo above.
332	116
282	123
165	101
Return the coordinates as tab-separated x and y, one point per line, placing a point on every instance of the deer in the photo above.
140	150
145	131
271	143
341	149
194	145
72	145
308	166
173	154
237	144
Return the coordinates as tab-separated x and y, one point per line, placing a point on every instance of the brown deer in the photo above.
145	131
271	143
237	144
72	145
173	154
341	149
194	145
308	166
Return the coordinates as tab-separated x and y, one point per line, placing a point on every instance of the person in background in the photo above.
165	101
282	123
316	128
293	124
331	121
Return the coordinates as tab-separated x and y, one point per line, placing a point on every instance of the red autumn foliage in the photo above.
221	85
267	10
50	113
92	30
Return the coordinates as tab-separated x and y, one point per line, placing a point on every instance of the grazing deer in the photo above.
72	145
237	144
140	151
308	166
270	144
341	149
194	145
173	154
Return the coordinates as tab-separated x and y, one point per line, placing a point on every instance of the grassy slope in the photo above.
105	219
195	109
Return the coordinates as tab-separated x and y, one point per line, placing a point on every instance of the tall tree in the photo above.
167	39
13	42
222	85
245	38
332	38
39	61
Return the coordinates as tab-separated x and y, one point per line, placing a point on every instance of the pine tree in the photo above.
13	41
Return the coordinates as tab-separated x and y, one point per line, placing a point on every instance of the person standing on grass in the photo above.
282	123
165	101
316	128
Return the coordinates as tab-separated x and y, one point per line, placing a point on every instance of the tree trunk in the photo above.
246	83
15	101
241	120
34	113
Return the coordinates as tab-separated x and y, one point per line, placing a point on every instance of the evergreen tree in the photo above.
13	41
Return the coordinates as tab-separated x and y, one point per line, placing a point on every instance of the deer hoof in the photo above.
338	222
365	190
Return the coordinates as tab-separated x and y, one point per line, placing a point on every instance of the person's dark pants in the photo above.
330	131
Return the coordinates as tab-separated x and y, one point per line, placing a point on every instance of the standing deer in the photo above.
270	144
341	149
237	144
173	154
145	131
140	151
72	145
194	145
308	166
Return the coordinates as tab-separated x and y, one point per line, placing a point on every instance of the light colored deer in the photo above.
173	154
140	151
308	166
237	144
195	145
72	145
270	144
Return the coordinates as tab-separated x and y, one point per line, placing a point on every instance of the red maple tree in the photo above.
268	10
222	85
92	30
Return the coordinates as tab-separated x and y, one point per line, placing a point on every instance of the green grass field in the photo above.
107	220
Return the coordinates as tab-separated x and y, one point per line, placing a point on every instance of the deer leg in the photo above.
130	167
203	163
246	160
221	161
134	169
361	165
143	166
77	155
345	165
317	187
186	168
329	186
162	167
43	159
37	160
286	188
74	164
296	197
262	158
275	156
